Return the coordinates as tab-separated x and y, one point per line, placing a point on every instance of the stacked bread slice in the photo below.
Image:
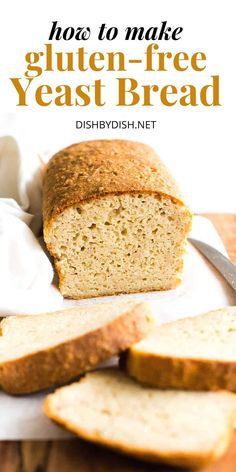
194	353
184	421
175	409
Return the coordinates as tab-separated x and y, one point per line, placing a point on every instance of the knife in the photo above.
218	260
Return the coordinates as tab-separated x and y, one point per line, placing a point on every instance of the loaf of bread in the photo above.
182	428
196	353
114	220
40	351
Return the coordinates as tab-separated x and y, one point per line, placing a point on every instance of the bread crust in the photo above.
61	363
180	373
179	459
93	169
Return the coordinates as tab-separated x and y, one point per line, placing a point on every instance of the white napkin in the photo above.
26	273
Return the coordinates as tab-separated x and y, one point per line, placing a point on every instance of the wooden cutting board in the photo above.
77	456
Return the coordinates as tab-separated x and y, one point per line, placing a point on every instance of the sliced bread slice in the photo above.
194	353
40	351
176	427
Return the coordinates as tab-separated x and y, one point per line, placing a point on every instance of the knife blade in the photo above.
218	260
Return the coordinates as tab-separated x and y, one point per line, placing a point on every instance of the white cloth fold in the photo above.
26	273
12	182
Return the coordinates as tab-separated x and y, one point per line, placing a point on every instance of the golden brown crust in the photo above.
180	373
180	459
61	363
93	169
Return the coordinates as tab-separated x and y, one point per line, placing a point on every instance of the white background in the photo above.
197	144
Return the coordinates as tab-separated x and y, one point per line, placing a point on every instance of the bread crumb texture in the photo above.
176	427
114	220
